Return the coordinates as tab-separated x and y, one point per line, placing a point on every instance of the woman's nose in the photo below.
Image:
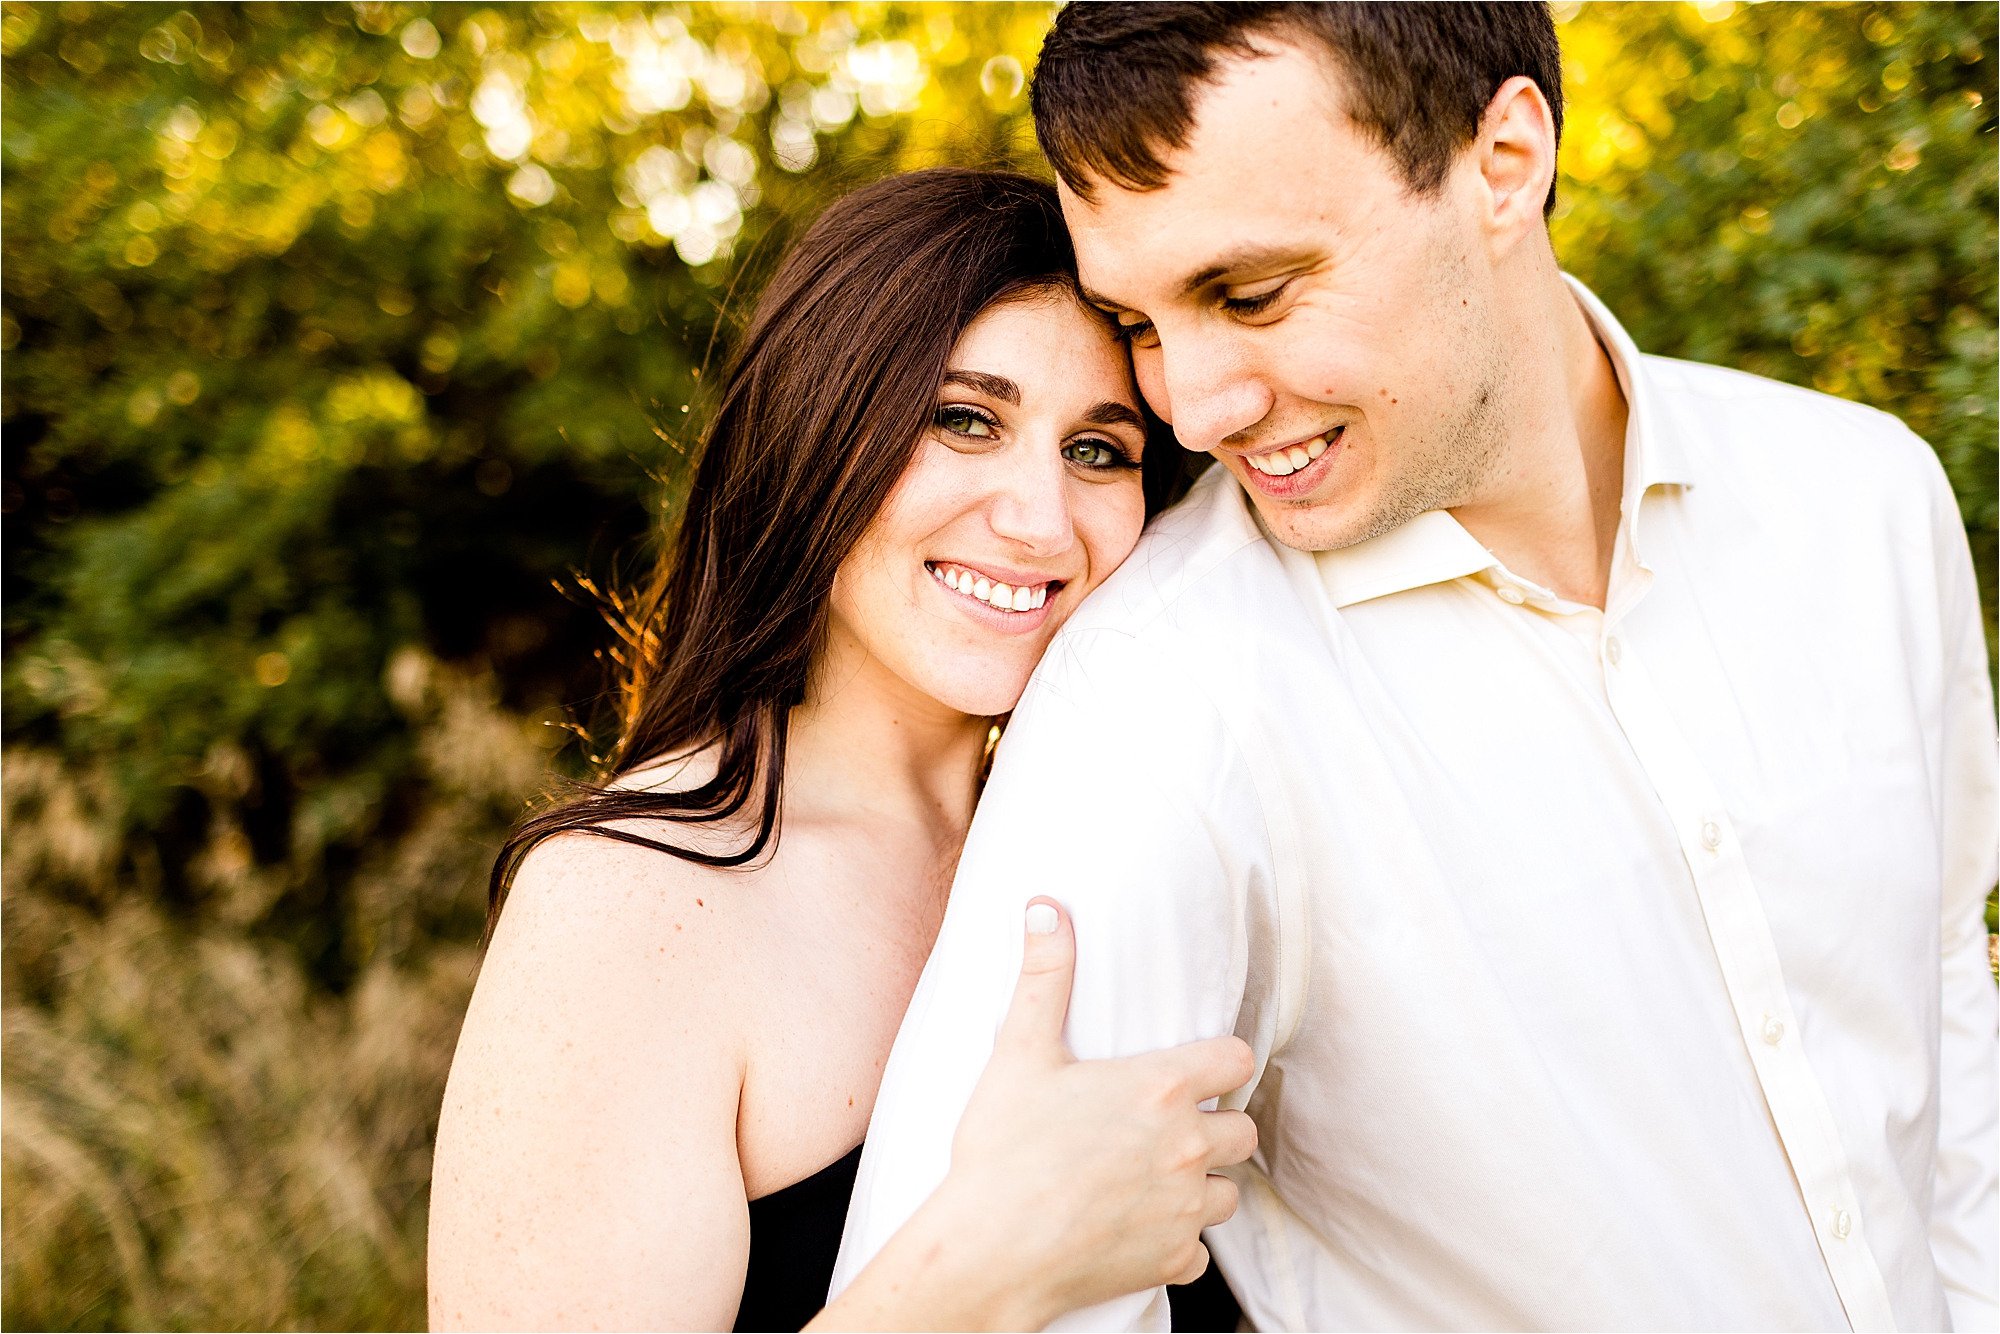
1032	505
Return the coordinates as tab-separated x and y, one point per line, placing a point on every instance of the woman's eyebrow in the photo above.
995	386
1113	414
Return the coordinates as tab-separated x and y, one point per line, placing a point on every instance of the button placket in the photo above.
1754	978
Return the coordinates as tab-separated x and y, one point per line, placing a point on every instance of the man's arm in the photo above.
1965	1206
1118	793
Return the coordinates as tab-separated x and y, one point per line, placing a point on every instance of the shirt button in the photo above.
1511	595
1843	1224
1612	651
1711	835
1774	1029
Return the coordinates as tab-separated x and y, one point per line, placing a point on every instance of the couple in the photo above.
1547	792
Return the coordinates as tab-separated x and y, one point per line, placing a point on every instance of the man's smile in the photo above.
1295	469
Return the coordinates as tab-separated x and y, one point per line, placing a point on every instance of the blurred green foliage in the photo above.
333	331
335	334
1802	191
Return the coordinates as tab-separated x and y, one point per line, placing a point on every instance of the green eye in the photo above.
964	421
1093	453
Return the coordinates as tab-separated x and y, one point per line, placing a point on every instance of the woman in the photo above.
928	450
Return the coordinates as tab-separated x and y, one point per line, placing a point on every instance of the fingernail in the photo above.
1041	920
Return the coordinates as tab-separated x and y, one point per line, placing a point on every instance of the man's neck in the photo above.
1550	511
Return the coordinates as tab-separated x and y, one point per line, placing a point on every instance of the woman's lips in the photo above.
996	593
1014	607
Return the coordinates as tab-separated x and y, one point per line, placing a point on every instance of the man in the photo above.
1571	771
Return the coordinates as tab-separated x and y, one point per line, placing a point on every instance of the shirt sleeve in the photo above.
1965	1204
1116	791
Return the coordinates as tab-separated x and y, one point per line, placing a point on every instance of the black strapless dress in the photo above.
795	1237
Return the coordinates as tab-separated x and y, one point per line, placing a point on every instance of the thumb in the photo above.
1034	1021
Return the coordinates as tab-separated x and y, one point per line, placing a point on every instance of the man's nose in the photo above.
1210	383
1032	505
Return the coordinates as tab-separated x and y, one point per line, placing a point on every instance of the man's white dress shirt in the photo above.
1605	970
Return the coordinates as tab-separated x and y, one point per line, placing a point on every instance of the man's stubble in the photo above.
1450	463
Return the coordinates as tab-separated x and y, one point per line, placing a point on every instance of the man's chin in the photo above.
1322	524
1338	506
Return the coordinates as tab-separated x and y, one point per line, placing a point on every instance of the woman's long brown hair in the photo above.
822	406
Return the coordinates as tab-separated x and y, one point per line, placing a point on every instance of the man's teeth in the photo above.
1285	462
1005	597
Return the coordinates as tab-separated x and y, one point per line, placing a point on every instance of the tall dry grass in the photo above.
193	1136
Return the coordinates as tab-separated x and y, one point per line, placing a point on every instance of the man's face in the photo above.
1295	310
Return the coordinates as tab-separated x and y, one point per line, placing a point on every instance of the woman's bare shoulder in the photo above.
586	896
605	936
676	772
625	951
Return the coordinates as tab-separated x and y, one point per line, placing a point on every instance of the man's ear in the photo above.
1516	156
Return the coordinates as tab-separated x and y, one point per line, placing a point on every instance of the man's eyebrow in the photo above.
1102	302
1113	414
993	386
1250	257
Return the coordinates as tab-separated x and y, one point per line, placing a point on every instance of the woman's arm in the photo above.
1072	1182
586	1173
563	1198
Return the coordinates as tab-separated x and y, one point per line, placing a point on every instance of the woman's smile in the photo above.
1011	602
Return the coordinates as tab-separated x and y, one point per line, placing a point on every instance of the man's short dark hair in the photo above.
1116	83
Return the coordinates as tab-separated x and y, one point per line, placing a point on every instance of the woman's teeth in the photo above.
1004	597
1285	462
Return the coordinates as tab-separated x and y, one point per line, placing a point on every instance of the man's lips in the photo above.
1293	470
1288	459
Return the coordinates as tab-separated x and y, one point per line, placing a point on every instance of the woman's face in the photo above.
1022	496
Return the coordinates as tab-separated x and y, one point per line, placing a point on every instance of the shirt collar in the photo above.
1648	443
1434	548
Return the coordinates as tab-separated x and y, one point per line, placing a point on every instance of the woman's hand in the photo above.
1072	1182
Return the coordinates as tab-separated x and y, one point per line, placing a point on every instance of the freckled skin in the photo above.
631	1073
1021	508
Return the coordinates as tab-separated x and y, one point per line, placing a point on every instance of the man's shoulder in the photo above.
1205	589
1736	419
1192	560
1730	389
